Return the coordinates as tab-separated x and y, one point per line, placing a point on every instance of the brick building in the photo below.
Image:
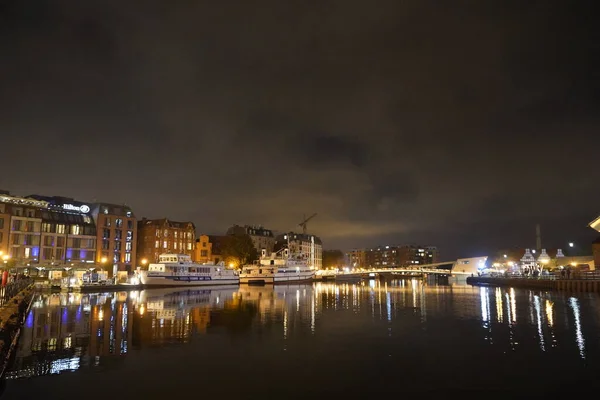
158	236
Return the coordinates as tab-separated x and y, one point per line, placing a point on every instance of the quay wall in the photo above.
12	315
577	285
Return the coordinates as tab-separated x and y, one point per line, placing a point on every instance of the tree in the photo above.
239	250
333	258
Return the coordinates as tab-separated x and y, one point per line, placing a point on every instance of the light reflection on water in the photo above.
69	332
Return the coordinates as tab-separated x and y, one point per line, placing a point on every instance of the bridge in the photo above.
444	268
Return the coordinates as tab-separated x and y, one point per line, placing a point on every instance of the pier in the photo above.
582	283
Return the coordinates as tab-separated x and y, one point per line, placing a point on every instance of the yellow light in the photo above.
144	261
5	257
574	264
231	265
103	260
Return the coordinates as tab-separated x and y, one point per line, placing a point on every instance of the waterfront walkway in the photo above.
580	283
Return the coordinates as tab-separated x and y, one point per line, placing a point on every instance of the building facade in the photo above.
400	256
357	258
203	250
22	228
309	246
261	238
158	236
4	228
113	227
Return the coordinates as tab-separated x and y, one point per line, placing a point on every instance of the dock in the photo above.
578	284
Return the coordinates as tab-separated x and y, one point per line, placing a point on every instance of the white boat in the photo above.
279	267
180	270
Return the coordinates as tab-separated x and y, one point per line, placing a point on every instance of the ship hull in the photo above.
279	278
164	281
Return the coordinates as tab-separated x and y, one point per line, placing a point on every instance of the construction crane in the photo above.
303	223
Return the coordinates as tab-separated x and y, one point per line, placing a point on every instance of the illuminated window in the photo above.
165	244
157	244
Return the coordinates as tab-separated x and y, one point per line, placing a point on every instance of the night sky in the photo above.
459	124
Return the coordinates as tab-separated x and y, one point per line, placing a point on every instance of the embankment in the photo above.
576	285
12	314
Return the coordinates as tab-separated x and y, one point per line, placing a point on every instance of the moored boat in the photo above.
278	267
180	270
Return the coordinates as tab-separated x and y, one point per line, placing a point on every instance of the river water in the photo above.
318	340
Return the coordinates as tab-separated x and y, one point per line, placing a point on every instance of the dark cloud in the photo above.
394	121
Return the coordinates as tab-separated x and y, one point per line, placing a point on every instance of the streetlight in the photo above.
571	244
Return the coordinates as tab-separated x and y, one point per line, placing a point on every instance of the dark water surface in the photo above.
309	341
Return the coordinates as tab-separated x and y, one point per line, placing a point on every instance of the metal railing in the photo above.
11	289
591	275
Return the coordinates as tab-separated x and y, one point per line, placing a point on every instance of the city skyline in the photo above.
462	127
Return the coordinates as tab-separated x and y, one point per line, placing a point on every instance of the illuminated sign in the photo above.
82	208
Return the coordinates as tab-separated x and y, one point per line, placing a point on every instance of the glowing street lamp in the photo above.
571	244
144	261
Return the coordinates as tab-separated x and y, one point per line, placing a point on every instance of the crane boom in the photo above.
303	223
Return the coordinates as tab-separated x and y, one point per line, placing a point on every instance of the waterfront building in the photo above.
595	225
218	243
158	236
203	250
308	246
262	238
115	231
528	260
400	256
471	265
357	258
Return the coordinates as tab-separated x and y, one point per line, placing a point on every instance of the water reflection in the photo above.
67	332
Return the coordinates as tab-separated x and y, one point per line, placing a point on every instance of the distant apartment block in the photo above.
394	256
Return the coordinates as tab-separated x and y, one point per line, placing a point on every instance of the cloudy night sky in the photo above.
458	124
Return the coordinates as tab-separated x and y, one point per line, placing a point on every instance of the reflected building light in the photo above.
388	303
64	364
485	306
312	316
513	305
550	313
499	306
297	300
414	294
574	303
285	324
538	315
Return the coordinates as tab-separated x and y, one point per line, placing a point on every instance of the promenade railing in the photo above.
11	289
